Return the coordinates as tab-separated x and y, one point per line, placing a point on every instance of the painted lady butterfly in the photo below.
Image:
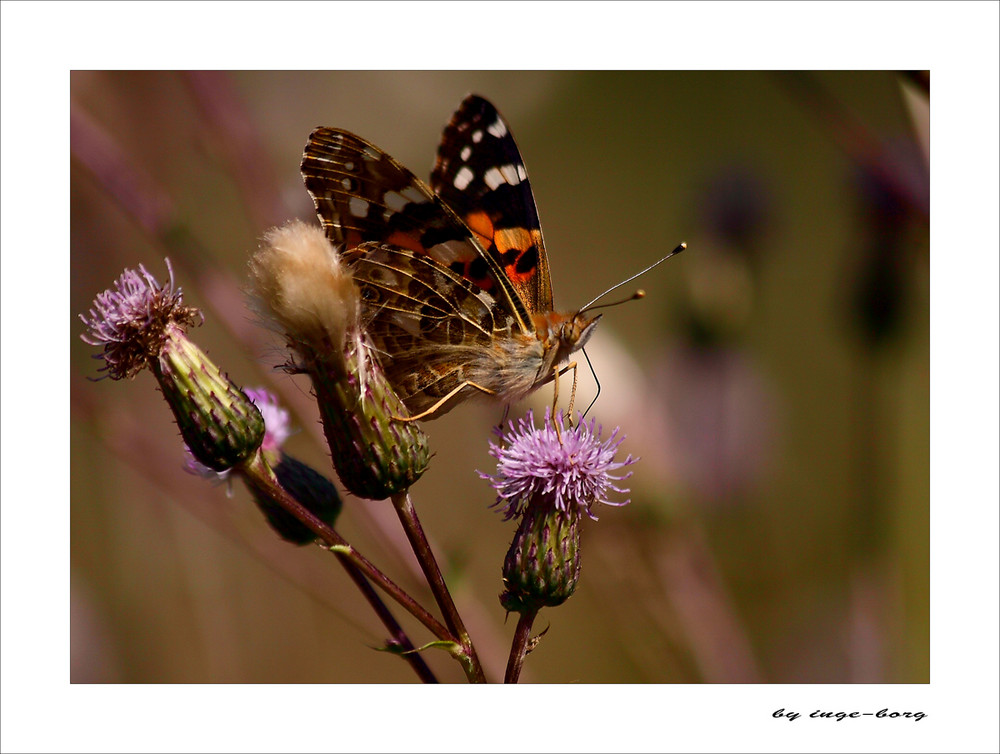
453	276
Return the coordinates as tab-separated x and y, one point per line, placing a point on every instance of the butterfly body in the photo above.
454	276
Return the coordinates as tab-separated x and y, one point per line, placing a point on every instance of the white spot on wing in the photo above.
358	206
450	251
413	194
493	178
395	201
462	179
466	153
504	174
477	136
511	174
498	129
521	172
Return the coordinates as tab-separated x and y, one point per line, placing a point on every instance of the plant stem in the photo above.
519	646
258	474
425	556
398	635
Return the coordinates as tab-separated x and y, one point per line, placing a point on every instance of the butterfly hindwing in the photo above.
479	174
425	317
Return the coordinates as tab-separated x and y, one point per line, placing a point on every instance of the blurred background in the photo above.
774	381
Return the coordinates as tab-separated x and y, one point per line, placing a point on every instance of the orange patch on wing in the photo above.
480	224
406	241
519	240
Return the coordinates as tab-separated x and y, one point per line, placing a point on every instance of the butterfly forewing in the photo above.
362	194
480	174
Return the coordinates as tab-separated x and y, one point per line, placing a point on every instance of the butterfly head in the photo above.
563	334
574	333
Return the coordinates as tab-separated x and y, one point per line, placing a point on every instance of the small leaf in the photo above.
448	646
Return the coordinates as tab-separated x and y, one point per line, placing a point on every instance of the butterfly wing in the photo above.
432	327
435	304
450	279
479	174
364	195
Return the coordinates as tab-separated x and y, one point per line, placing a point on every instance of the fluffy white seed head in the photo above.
300	282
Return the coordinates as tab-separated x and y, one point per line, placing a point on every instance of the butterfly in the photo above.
454	278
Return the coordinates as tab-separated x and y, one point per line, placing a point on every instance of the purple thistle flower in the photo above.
568	471
134	319
141	324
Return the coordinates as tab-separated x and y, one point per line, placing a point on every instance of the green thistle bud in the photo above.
303	285
140	323
220	425
311	489
375	455
542	566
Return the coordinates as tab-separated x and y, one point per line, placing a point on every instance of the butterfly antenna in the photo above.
593	372
639	293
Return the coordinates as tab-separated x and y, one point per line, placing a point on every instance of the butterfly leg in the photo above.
572	395
556	374
503	419
443	401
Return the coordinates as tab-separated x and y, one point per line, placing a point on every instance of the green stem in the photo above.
425	556
519	646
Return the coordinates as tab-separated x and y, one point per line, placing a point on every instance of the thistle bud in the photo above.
314	491
375	454
220	425
550	478
542	566
142	324
311	489
304	286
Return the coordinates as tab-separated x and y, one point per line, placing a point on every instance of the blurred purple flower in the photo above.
893	193
717	417
737	206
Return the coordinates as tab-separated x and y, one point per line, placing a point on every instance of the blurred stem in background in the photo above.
892	188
